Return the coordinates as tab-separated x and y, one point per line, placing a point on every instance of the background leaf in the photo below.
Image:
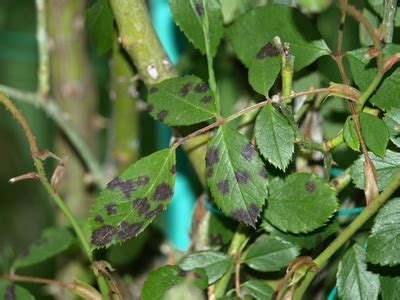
384	242
184	291
161	280
189	15
363	71
269	254
99	22
274	136
390	287
350	134
386	167
181	101
259	289
354	281
236	175
375	133
392	121
52	242
132	200
9	291
301	203
214	263
252	30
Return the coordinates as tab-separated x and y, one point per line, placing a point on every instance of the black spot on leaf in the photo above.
212	156
111	209
210	171
268	50
185	89
103	235
216	239
247	217
199	9
201	87
223	186
154	212
173	169
162	114
263	173
10	293
242	176
163	192
310	186
141	205
99	219
153	90
126	231
140	181
150	107
125	186
206	99
248	151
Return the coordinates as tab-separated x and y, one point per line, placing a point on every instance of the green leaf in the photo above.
314	6
214	263
274	136
132	200
392	121
265	68
390	287
99	22
354	281
252	30
384	241
220	229
9	291
161	280
386	167
269	254
301	203
375	133
184	291
181	101
189	15
305	240
350	134
259	289
52	242
236	175
387	94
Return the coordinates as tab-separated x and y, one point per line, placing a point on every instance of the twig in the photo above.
42	39
388	19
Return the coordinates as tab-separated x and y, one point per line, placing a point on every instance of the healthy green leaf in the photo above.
390	287
384	241
301	203
52	242
354	281
99	22
375	133
214	263
9	291
269	254
274	136
259	289
315	6
132	200
387	94
236	175
392	121
350	134
161	280
189	15
265	69
386	167
252	30
305	240
181	101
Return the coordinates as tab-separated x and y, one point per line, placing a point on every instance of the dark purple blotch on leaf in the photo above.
268	50
206	99
150	107
310	186
248	217
103	235
154	212
111	209
199	9
201	87
125	186
173	169
126	231
242	176
163	192
210	171
140	181
10	293
162	114
223	186
99	219
153	90
141	205
263	173
212	156
185	89
248	151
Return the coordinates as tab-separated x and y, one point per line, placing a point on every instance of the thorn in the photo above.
30	175
58	172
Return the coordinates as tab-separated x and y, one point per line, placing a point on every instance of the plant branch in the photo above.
348	232
388	19
42	39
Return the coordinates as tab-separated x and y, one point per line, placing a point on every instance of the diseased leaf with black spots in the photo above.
300	203
132	200
181	101
236	175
